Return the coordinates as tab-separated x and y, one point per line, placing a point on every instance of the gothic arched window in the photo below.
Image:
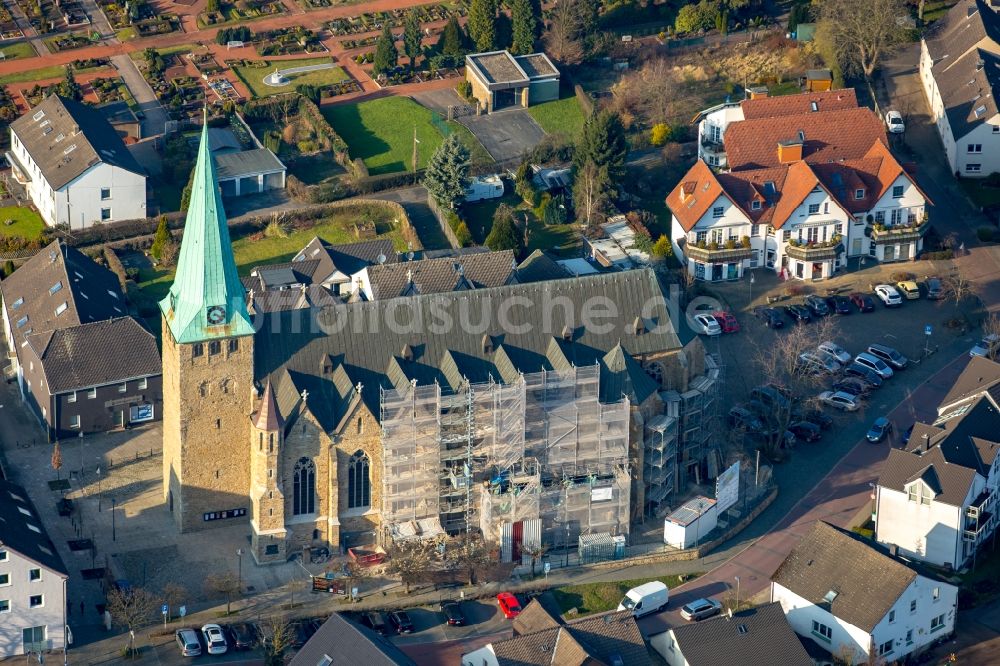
304	487
359	485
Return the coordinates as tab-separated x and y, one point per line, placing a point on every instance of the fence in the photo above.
443	223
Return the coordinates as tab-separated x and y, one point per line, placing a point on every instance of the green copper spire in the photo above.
206	300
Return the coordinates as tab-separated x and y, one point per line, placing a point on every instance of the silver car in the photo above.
874	363
188	642
699	609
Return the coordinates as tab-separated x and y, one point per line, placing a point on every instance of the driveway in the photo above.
506	135
414	202
156	118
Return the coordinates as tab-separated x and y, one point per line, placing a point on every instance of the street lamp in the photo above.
114	536
239	556
100	496
737	594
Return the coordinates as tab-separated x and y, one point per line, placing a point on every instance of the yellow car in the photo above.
909	289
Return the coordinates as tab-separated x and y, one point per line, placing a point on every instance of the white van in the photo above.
647	598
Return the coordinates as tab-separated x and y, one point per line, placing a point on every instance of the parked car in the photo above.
787	440
699	609
935	290
840	400
645	599
839	305
804	430
773	397
906	434
453	614
817	417
834	351
817	305
866	375
375	621
909	289
889	355
879	430
816	363
853	385
187	641
863	302
401	622
243	635
798	313
705	324
727	321
509	605
874	363
769	316
888	295
215	640
987	346
894	122
741	417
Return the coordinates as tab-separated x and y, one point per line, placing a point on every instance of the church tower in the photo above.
207	368
267	521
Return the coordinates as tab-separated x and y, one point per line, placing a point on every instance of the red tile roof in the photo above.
830	136
694	194
791	105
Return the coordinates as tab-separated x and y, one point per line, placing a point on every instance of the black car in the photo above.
863	302
870	377
839	305
817	305
453	614
401	621
243	635
805	430
769	316
741	417
853	385
376	622
798	313
816	417
907	433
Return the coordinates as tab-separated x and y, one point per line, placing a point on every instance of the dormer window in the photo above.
18	303
859	193
755	204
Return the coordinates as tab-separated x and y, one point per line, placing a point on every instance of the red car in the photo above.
727	321
509	605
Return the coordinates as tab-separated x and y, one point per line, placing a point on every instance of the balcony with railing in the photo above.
912	229
977	528
711	252
980	505
815	250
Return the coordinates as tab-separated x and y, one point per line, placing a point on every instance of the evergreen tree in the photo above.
386	55
504	235
160	239
411	38
525	27
447	173
452	42
482	24
69	88
603	143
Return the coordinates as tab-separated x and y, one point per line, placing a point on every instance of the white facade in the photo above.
976	153
712	132
32	605
666	646
924	613
102	193
484	656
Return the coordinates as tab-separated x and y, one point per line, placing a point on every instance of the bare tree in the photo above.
173	594
276	637
535	551
590	192
56	461
474	555
863	32
224	584
131	608
356	572
561	39
410	560
649	92
991	336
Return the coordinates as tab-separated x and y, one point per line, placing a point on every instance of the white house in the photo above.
32	580
759	635
935	501
713	122
959	61
74	166
858	600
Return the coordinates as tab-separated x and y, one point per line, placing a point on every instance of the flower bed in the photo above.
68	42
288	41
372	21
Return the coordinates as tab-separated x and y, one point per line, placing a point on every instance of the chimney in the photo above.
790	151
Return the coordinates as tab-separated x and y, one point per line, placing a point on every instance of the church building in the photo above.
508	409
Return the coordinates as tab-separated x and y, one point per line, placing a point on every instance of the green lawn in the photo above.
250	251
26	222
126	34
19	51
562	116
562	239
253	77
786	88
53	72
380	132
979	193
590	598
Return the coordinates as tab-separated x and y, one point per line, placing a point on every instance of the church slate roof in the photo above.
372	340
429	276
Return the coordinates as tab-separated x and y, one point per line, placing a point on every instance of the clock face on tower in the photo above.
216	315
